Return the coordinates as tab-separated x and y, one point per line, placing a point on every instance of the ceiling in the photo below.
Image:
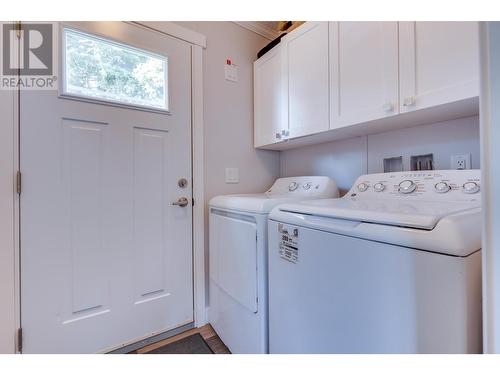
271	25
267	29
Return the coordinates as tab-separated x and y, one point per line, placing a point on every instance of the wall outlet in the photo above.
461	161
232	175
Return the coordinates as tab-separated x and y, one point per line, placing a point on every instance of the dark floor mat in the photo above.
217	346
194	344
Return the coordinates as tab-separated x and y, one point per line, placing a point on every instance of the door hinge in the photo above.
20	340
18	182
18	29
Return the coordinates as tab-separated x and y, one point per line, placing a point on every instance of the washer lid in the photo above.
411	214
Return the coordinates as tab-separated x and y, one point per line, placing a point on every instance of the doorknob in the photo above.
182	202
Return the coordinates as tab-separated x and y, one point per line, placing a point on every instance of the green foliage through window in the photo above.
105	70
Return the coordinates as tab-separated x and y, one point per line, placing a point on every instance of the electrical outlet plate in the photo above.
463	161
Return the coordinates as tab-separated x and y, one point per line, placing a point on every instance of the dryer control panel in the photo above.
443	185
307	186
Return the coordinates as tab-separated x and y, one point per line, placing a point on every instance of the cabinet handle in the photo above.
388	107
409	101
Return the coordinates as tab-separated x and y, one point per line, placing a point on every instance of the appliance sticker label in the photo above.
289	245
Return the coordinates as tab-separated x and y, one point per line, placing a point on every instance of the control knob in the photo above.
442	187
407	187
293	186
362	186
378	187
306	186
470	187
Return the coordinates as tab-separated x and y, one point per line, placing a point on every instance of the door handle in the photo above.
182	202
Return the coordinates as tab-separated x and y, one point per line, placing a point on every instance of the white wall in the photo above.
7	263
228	113
341	160
345	160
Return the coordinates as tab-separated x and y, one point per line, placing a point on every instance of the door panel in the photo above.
438	63
150	169
268	107
364	71
82	180
305	68
106	258
234	250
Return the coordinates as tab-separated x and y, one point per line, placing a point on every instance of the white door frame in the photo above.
10	312
10	290
489	34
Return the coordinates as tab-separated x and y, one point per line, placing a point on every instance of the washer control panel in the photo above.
308	186
445	185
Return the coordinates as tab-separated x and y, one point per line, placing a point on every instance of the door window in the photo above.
101	69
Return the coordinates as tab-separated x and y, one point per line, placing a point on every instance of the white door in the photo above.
439	63
364	71
305	83
106	259
268	110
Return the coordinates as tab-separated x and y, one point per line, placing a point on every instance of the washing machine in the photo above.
394	266
238	307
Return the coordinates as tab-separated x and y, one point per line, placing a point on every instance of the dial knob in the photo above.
378	187
293	186
306	186
407	186
442	187
362	186
470	187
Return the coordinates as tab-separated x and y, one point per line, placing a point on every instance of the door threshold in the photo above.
151	340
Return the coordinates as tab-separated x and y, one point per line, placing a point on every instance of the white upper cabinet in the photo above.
333	80
305	84
268	121
439	63
364	71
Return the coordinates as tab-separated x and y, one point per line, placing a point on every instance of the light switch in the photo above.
232	175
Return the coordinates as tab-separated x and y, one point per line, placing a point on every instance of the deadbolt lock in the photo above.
182	183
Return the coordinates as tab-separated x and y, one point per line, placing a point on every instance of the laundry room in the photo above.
194	184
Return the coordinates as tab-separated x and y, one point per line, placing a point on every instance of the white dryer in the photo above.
394	266
238	308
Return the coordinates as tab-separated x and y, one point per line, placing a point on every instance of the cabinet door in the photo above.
305	87
439	63
267	98
364	71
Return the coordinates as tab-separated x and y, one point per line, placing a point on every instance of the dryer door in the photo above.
233	256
